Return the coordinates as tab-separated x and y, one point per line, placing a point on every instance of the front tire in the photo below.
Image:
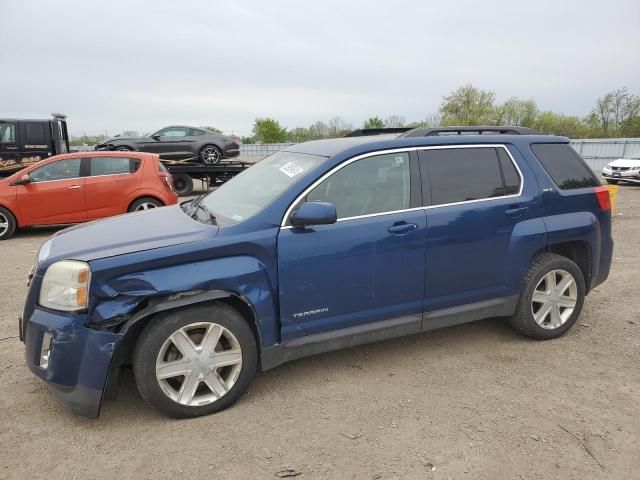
145	203
123	149
7	223
210	155
195	361
552	297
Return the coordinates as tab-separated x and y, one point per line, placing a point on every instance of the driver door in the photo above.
168	142
369	265
55	194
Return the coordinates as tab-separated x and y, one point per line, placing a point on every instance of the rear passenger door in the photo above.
475	199
109	184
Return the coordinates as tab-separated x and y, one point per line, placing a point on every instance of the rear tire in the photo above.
123	149
182	184
7	224
612	182
210	155
145	203
193	385
559	289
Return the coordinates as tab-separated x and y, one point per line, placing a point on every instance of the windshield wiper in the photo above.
199	206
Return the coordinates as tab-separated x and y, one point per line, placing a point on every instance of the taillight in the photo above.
168	181
604	200
235	140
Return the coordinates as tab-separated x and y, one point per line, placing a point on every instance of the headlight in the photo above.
65	286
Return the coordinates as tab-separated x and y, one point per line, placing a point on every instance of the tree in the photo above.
468	105
550	123
373	122
394	121
339	128
517	113
211	129
432	120
614	110
130	133
268	130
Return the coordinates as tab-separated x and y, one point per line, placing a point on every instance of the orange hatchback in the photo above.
79	187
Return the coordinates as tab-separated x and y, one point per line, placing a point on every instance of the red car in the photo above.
79	187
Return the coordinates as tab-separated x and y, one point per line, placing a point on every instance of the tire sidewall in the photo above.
161	327
202	153
11	220
142	200
557	263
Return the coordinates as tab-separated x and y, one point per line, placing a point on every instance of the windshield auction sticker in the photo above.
291	169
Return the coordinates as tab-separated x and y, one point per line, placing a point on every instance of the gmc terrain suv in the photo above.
323	245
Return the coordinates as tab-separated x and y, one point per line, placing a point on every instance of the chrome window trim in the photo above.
283	223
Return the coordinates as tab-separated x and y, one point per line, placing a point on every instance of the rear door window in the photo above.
456	175
563	164
112	165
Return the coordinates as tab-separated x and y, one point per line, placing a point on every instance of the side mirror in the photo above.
24	179
314	213
155	136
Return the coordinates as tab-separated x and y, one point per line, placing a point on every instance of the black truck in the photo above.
24	142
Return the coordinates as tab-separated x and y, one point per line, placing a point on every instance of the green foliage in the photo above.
373	122
268	130
210	129
468	105
334	128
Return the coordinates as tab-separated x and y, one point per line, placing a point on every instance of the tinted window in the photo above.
196	132
564	165
371	185
462	174
7	133
34	134
110	165
174	132
509	173
60	170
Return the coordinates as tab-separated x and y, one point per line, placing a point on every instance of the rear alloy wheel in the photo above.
552	297
210	155
195	361
7	224
145	203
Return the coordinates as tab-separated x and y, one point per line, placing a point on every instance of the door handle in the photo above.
402	228
75	187
516	212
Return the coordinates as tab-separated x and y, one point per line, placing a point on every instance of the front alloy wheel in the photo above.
198	364
195	361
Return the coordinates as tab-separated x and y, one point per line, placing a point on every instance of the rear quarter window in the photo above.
563	164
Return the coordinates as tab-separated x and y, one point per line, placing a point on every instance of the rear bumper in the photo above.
79	358
231	151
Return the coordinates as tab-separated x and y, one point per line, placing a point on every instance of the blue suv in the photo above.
321	246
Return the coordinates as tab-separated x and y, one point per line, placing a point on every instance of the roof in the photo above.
357	145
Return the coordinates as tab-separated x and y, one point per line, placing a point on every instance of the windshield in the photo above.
255	188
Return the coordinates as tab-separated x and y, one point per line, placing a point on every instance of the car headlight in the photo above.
65	286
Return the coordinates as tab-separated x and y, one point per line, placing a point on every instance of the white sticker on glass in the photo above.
291	169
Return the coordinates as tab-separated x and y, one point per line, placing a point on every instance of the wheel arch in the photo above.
140	196
578	251
132	328
12	212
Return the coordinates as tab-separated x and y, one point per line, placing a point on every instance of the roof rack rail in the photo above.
365	132
467	130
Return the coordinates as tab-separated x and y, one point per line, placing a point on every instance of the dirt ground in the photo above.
475	401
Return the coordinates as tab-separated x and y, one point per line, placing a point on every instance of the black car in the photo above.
187	144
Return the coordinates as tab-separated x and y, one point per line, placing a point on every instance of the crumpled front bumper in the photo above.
79	358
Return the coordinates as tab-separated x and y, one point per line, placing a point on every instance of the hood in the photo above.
624	162
118	139
129	233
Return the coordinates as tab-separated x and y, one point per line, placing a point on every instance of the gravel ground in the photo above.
473	401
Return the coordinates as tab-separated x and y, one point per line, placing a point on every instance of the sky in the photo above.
133	65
